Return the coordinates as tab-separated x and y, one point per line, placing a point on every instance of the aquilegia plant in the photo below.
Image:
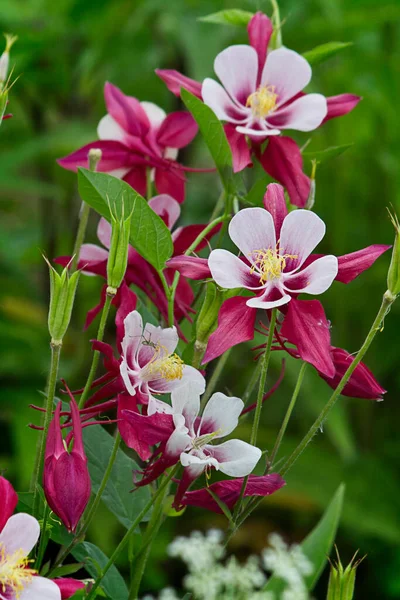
148	432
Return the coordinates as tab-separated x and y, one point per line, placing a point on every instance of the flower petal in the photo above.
189	375
304	114
171	181
185	401
21	532
252	229
177	130
259	31
114	155
104	232
237	68
166	338
287	71
301	231
314	279
8	501
215	96
108	129
154	113
178	443
127	111
353	264
90	255
190	266
167	208
175	81
235	457
136	178
341	105
133	328
221	414
241	155
275	203
273	296
230	272
40	588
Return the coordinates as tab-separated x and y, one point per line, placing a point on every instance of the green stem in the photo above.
284	425
218	206
252	383
44	538
96	353
130	532
276	38
51	388
149	184
214	378
387	301
80	235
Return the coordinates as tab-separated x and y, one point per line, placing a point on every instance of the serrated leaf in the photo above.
117	496
233	16
213	133
149	234
93	558
325	51
323	155
317	545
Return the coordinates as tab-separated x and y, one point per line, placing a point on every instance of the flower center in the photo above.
269	263
15	573
169	367
202	440
263	101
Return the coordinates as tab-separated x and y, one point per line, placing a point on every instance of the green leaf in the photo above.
325	51
233	16
317	545
256	193
117	496
323	155
66	570
149	234
94	560
213	133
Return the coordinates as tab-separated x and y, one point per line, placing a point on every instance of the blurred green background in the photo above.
65	52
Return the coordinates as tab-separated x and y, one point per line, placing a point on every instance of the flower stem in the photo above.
284	425
214	378
51	388
387	301
130	531
149	184
96	353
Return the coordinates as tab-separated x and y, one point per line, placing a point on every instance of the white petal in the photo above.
104	232
108	129
257	133
259	302
21	532
235	457
237	68
167	339
197	463
160	385
177	443
185	401
170	154
221	104
314	279
221	414
252	229
157	406
125	374
133	327
230	272
301	231
90	253
119	173
166	205
40	588
287	71
155	114
304	114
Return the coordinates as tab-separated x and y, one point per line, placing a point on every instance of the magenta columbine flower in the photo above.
260	107
149	364
274	269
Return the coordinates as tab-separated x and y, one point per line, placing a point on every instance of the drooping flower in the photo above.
18	535
135	136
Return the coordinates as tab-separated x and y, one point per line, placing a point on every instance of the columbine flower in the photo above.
18	535
135	136
271	267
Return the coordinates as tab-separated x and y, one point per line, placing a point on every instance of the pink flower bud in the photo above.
66	478
68	587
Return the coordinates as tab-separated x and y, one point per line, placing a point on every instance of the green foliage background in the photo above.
65	52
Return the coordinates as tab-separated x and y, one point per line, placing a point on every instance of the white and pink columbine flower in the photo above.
274	268
149	364
262	104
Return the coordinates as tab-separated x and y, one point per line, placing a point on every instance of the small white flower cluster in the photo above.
209	579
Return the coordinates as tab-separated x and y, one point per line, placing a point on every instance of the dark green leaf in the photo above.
149	234
93	558
323	155
66	570
233	16
118	495
325	51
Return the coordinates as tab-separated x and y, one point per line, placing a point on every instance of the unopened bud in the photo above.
119	247
342	581
207	320
94	157
5	58
62	295
393	280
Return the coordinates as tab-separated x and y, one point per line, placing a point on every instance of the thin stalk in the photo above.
284	425
149	184
252	383
96	353
51	388
44	538
218	206
130	532
214	378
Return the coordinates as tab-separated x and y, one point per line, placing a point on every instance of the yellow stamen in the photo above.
15	573
263	101
202	440
169	367
269	263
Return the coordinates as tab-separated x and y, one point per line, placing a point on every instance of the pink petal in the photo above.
259	31
104	232
8	501
215	96
114	156
21	532
301	231
275	203
304	114
252	229
175	81
90	257
221	414
171	181
306	327
136	178
241	154
230	272
127	304
235	325
108	129
236	458
237	68
351	265
126	111
68	587
167	208
283	161
341	105
272	297
314	279
177	130
133	336
190	266
287	71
